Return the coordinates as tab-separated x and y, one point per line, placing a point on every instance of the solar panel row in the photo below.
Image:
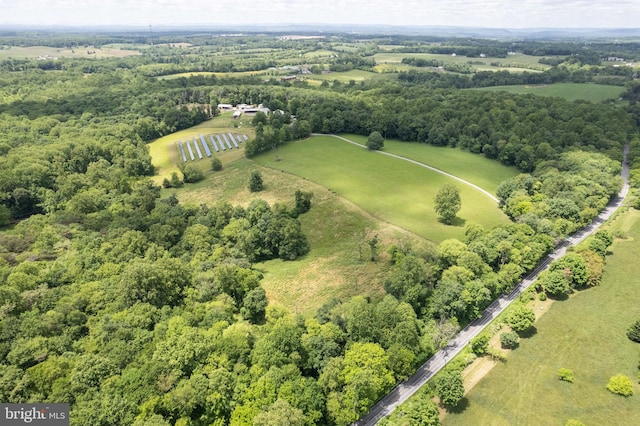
206	147
190	150
195	143
184	156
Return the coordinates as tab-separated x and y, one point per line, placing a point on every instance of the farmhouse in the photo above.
225	107
253	111
237	114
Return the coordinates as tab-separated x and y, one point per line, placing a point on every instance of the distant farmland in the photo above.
569	91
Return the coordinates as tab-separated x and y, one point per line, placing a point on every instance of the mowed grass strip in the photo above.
391	189
487	174
585	334
569	91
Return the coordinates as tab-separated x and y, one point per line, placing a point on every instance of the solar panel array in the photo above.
224	142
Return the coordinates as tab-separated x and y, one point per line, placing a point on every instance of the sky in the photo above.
466	13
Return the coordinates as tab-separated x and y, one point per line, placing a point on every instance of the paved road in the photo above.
426	166
406	389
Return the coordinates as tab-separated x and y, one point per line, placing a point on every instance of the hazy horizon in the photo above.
493	14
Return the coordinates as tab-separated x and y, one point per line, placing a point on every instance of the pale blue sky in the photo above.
477	13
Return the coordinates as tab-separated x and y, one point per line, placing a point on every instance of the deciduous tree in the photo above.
447	203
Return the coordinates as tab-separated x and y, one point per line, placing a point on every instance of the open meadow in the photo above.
34	52
486	173
586	334
337	230
569	91
515	63
390	189
358	194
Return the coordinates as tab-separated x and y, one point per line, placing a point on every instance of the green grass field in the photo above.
79	52
487	174
390	189
334	227
585	334
345	77
518	62
569	91
209	73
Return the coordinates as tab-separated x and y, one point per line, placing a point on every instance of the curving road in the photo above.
406	389
426	166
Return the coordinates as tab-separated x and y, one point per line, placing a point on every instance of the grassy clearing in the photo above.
585	334
511	63
347	76
569	91
165	154
390	189
335	229
78	52
486	173
209	73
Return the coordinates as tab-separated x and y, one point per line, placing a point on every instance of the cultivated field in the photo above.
390	189
585	334
569	91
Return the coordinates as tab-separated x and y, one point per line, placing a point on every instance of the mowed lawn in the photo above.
569	91
487	174
390	189
585	334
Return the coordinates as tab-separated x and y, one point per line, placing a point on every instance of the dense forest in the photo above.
139	310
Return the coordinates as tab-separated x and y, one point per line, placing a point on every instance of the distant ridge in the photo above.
412	30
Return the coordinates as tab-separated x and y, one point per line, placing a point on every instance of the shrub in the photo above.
216	164
509	340
375	141
633	332
497	355
566	375
450	388
480	344
521	318
255	181
542	296
621	385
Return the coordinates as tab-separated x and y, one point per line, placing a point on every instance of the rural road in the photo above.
406	389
